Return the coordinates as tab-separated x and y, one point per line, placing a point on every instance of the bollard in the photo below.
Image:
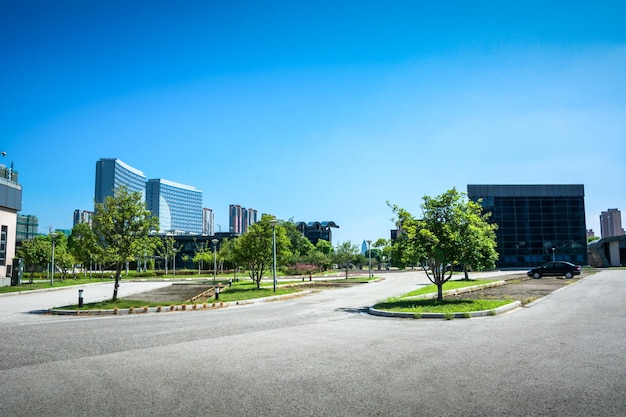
310	277
217	293
230	282
80	298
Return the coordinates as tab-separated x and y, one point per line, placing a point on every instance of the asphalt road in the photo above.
321	355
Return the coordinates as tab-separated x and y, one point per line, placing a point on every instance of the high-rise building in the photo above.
82	216
536	223
27	227
178	206
208	222
112	173
240	218
315	231
10	204
611	223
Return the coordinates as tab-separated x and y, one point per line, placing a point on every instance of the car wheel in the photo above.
568	275
536	275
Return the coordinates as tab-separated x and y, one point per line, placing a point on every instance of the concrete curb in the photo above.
484	313
172	308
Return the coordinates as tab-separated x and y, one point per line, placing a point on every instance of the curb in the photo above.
483	313
169	308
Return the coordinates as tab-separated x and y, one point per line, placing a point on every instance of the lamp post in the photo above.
52	236
214	259
273	223
553	254
369	253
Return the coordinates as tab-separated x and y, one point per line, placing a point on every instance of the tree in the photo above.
36	254
123	226
452	231
345	254
253	250
167	249
83	244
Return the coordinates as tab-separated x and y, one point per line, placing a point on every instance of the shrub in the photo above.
448	316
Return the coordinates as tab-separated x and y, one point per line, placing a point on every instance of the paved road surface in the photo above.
320	355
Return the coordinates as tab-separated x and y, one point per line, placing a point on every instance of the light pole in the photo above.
553	254
214	259
273	223
369	253
52	236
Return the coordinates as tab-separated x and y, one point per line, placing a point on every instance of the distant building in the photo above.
314	231
82	216
590	233
10	204
536	223
208	222
178	206
112	173
27	227
608	251
611	223
240	218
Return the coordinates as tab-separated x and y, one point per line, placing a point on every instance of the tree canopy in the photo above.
123	226
452	231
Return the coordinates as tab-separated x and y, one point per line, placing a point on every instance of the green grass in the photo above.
450	285
433	306
68	282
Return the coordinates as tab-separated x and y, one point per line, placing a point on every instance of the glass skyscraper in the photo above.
112	173
178	206
536	223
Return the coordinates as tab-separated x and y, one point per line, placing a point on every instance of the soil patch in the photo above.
522	288
172	293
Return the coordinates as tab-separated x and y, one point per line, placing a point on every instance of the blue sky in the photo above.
314	110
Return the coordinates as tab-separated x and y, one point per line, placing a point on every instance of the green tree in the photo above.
253	250
345	254
123	226
451	231
36	254
83	245
167	250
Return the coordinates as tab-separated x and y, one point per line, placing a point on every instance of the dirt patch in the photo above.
173	293
522	288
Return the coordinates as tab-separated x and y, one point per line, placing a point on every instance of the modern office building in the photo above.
10	204
536	223
240	218
314	231
112	173
27	227
178	206
611	223
82	216
208	222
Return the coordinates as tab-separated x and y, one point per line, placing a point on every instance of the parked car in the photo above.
555	268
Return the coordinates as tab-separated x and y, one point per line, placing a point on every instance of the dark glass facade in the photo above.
536	223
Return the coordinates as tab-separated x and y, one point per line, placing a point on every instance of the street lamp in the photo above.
369	253
52	236
273	223
214	259
553	254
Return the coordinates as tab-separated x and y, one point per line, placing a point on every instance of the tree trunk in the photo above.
440	291
118	273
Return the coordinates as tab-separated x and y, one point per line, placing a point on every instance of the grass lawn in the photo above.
455	305
450	285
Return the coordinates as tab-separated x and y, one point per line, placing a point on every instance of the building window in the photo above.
3	245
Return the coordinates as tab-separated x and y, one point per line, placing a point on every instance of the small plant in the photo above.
467	315
417	316
448	316
492	312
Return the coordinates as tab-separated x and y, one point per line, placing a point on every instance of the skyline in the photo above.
314	113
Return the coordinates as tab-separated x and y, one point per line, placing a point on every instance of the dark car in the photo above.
555	268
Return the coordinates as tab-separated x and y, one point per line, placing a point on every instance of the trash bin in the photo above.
17	272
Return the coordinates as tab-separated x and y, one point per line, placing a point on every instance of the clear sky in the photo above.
318	110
